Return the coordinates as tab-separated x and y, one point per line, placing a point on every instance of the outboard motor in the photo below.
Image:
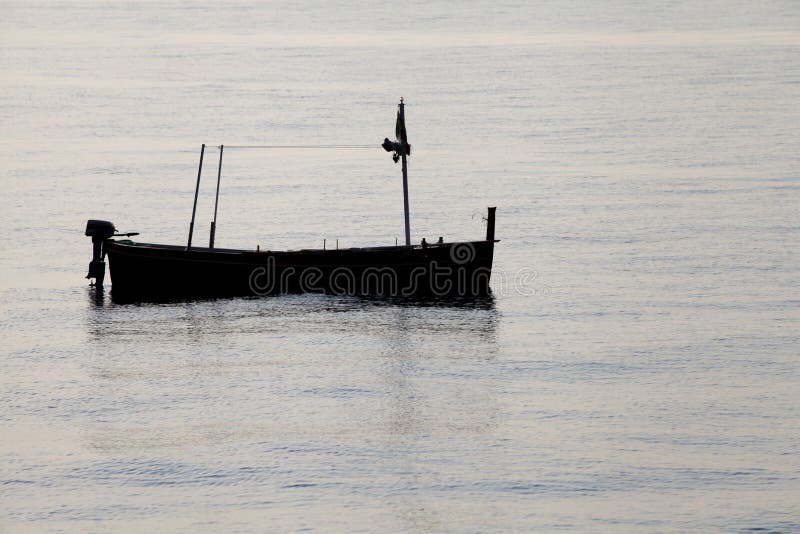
99	231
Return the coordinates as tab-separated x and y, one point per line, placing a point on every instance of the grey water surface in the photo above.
636	369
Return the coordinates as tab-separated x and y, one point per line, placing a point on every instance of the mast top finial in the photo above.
401	99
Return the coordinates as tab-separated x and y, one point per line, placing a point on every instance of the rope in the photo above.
302	146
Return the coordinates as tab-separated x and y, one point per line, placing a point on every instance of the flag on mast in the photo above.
400	145
401	136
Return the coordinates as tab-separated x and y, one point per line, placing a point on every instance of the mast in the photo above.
196	191
404	154
216	201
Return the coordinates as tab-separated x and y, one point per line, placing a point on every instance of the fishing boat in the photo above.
154	272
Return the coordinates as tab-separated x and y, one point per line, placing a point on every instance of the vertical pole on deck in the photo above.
216	200
404	144
196	191
490	224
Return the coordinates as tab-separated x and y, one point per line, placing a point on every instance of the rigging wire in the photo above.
302	146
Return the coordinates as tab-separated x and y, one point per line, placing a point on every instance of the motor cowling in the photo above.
99	231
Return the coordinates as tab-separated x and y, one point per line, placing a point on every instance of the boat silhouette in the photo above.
154	272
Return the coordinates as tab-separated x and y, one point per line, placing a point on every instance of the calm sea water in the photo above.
636	370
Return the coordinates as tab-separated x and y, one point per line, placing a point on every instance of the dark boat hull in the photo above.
146	272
